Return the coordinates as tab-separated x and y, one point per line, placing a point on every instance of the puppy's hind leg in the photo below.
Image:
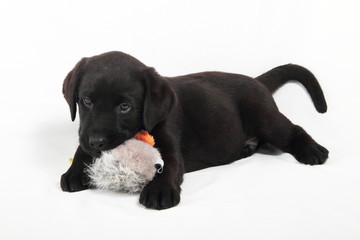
277	130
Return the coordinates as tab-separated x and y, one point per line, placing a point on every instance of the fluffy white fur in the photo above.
126	168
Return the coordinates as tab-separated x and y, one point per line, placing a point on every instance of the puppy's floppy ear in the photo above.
70	86
159	100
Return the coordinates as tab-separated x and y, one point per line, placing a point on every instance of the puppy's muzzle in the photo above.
98	142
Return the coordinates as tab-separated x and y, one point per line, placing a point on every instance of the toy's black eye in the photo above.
87	102
124	108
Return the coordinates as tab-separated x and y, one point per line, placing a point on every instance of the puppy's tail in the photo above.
278	76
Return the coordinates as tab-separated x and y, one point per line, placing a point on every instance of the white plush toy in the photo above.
128	167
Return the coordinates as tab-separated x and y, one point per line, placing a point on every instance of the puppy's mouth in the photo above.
96	154
92	152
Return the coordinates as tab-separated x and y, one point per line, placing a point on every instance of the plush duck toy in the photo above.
128	167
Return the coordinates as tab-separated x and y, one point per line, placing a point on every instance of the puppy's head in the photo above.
117	96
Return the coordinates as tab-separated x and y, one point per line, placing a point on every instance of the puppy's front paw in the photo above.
312	154
159	197
74	182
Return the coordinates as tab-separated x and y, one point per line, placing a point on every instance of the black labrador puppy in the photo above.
198	120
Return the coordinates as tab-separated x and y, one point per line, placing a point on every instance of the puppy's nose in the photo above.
97	142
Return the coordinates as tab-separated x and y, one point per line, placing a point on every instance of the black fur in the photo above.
198	120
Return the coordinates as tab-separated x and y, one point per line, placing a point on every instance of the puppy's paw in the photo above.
159	197
312	154
251	145
74	182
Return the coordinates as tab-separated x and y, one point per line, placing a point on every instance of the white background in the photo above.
262	197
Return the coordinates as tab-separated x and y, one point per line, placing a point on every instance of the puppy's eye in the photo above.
87	102
124	108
